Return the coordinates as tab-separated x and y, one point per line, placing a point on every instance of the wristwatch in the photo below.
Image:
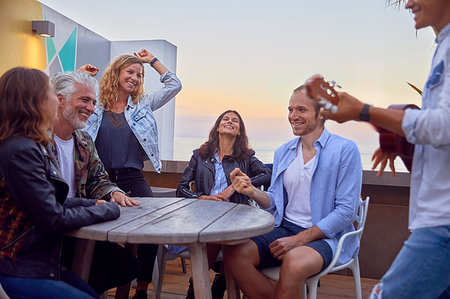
364	115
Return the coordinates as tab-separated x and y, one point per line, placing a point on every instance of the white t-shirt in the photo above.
297	182
66	163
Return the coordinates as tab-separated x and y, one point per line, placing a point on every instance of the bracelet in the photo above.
364	115
153	61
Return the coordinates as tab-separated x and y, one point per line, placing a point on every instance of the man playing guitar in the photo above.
422	268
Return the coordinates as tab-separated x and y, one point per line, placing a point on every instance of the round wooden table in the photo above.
176	221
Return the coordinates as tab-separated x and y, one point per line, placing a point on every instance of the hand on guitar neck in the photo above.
323	92
343	107
334	107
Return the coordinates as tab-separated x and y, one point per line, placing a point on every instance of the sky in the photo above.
249	55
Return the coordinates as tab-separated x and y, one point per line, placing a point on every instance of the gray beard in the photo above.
72	118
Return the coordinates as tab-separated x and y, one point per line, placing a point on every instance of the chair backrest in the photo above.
362	215
3	294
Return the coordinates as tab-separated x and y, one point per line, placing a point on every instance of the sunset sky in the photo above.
250	55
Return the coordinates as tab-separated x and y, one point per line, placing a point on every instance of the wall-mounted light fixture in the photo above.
43	28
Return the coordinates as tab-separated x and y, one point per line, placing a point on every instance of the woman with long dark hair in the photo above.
34	210
124	129
209	168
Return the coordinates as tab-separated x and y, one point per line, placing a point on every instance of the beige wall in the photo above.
18	45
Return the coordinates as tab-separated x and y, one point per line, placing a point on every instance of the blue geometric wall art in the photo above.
67	53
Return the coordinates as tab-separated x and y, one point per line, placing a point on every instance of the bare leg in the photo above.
212	252
241	261
298	264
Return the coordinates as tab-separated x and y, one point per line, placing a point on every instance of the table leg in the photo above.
81	265
200	270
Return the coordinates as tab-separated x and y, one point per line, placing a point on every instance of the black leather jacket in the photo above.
34	211
202	172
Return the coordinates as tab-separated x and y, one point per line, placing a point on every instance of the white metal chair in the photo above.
2	293
353	264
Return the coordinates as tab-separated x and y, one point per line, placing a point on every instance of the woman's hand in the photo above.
89	69
227	192
241	182
217	197
144	55
381	157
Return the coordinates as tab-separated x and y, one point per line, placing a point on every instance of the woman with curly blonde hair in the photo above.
125	133
109	91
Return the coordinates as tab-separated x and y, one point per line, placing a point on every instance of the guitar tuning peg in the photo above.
334	109
334	84
328	106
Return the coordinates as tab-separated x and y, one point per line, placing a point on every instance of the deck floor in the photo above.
331	286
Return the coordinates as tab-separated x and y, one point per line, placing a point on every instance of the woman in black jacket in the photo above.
34	211
209	169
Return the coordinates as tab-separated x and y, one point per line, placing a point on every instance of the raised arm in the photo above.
147	57
349	108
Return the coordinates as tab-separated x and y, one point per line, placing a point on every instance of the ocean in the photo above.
183	147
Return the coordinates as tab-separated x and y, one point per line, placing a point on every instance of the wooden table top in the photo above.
180	221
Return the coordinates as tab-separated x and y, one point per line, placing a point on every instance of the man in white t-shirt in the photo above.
86	176
314	195
79	162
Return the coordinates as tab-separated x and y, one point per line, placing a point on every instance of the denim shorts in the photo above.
287	229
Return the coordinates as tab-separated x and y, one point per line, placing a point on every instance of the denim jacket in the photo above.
141	119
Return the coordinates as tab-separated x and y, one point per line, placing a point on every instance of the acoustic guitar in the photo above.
390	143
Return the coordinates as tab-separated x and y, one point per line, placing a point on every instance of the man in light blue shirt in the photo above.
314	195
422	268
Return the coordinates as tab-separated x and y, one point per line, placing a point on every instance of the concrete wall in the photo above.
73	46
18	45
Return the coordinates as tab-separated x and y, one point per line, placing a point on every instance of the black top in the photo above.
116	144
202	172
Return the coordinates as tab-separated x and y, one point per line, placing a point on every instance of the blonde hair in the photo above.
109	83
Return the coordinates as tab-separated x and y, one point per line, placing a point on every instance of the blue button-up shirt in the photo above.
335	188
219	177
429	130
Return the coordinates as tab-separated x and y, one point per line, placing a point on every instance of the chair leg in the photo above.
159	269
305	291
312	287
354	266
183	265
